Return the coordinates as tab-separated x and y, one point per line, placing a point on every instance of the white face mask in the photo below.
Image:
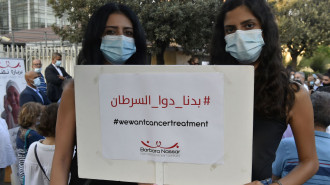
117	48
36	82
37	70
292	77
58	63
245	46
317	82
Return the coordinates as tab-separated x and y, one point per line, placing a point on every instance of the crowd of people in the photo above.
313	81
33	111
245	33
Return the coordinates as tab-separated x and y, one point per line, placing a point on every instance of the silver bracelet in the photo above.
278	182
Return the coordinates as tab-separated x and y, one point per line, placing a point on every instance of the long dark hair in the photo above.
91	53
274	95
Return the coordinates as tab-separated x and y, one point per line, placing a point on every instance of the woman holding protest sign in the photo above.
110	28
246	33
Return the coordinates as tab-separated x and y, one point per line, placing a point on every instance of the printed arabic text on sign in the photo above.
164	117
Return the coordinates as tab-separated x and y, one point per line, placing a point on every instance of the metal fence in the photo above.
44	53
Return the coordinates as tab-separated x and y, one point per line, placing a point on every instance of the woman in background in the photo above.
27	134
37	171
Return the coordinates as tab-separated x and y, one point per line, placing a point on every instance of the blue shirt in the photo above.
287	158
32	137
43	86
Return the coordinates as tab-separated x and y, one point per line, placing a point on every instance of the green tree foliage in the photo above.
187	23
303	25
319	62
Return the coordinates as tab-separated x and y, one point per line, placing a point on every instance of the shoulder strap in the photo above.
35	153
25	139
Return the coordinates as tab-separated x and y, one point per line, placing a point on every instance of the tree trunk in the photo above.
160	56
294	57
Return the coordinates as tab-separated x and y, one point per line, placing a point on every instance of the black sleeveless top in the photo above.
75	180
267	134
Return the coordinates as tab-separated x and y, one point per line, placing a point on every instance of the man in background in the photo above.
326	79
31	93
286	154
55	76
300	76
37	67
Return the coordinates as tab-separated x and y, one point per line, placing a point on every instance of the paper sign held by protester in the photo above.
163	117
180	125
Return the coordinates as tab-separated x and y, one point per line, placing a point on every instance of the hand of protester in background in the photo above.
61	77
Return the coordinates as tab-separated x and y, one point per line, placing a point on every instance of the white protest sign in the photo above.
114	103
12	82
162	117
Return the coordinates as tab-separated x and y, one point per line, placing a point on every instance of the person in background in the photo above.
246	34
311	81
37	67
300	77
326	79
11	104
286	155
38	162
7	154
109	29
325	89
31	93
26	135
317	82
55	75
193	61
290	72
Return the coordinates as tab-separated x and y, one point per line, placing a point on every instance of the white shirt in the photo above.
32	170
7	154
306	87
58	69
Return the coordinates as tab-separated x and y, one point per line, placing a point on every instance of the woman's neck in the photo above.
321	129
33	127
49	141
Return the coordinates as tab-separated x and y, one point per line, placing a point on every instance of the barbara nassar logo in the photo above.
158	150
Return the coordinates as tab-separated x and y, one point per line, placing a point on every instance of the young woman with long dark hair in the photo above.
110	28
246	34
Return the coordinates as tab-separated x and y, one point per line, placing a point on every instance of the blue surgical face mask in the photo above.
58	63
245	46
36	82
117	48
37	70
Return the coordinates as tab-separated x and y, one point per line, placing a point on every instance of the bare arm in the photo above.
65	136
302	123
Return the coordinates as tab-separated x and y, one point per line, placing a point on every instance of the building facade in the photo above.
27	14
